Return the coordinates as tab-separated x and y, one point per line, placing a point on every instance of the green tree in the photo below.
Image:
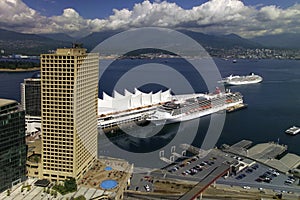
70	185
81	197
55	193
36	158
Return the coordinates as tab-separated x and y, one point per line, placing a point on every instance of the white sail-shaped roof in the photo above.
166	95
156	98
106	96
136	91
127	93
121	103
136	101
130	101
146	99
117	95
105	103
104	106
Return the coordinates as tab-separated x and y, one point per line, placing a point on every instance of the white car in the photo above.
276	173
147	188
246	187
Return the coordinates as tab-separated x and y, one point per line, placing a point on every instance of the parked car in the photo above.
255	166
147	188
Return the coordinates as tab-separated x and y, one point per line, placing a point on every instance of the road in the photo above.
259	185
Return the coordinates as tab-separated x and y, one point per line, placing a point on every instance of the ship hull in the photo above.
242	83
195	115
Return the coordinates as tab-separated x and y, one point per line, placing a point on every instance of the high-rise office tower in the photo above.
69	94
12	144
31	95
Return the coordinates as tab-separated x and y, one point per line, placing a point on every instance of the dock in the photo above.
266	151
239	148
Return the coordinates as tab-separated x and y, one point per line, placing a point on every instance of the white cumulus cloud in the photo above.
217	16
14	13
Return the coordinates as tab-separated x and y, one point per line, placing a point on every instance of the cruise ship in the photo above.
197	106
241	80
294	130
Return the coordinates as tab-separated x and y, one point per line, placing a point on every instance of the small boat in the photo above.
236	107
294	130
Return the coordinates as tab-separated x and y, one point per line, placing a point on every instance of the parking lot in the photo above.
262	174
191	169
253	175
195	167
142	183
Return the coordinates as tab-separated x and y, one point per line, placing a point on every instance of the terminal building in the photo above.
130	100
122	110
69	94
12	144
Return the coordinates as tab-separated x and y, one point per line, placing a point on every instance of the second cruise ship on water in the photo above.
241	80
196	106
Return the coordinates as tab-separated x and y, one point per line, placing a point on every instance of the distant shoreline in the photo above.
20	69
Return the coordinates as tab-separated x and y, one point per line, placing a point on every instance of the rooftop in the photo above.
4	102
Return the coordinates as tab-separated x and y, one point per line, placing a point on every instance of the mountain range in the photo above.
34	44
28	44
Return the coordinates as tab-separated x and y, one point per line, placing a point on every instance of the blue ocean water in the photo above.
273	105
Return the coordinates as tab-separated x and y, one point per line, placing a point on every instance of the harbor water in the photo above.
273	105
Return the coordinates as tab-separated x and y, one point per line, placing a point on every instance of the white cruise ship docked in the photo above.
194	107
241	80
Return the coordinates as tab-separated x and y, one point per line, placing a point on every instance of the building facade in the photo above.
12	144
31	95
69	93
31	103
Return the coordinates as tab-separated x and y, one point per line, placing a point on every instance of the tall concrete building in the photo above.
12	144
69	93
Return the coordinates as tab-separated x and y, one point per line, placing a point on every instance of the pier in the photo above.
265	153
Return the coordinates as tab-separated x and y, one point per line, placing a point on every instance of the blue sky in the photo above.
247	18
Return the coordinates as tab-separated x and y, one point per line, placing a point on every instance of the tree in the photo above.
70	185
36	158
55	193
81	197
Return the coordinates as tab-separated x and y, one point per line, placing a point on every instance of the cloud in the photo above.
214	16
14	13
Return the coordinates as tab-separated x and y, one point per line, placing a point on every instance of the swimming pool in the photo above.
108	184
